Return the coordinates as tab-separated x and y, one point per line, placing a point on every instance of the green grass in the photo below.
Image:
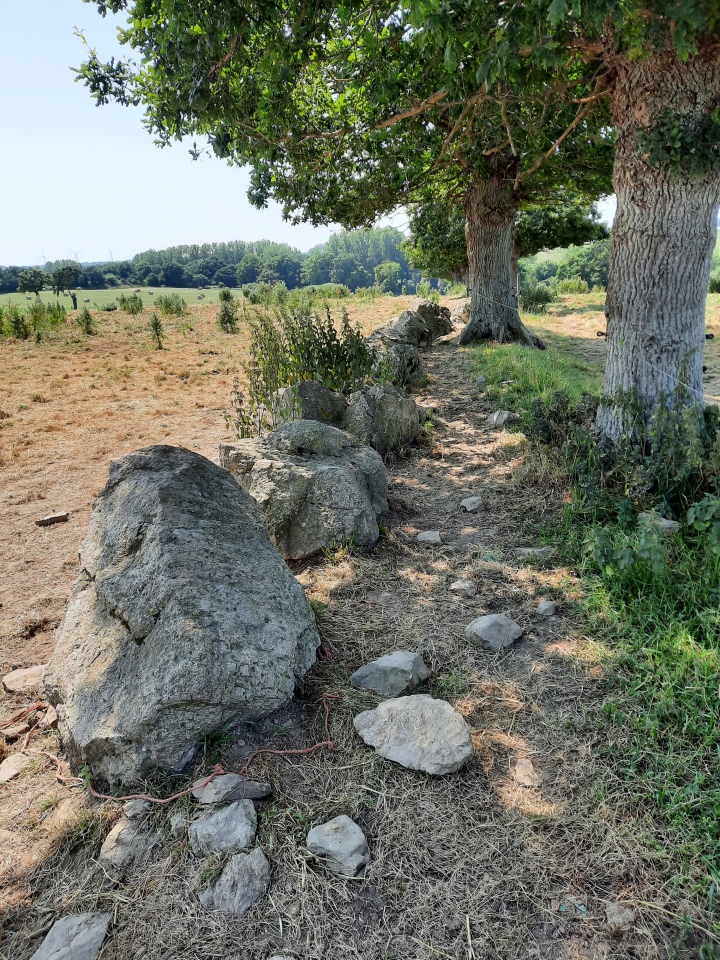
662	635
532	373
103	297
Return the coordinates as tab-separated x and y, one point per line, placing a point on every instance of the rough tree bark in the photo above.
490	211
662	240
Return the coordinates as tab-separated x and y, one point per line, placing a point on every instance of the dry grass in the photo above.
468	866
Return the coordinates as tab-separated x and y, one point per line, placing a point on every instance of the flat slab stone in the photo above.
134	809
463	588
229	787
391	675
472	504
429	536
120	845
12	766
502	417
228	830
495	631
546	608
418	732
78	937
242	883
53	518
341	845
533	553
23	681
525	773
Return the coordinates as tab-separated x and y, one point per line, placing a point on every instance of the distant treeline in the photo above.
350	258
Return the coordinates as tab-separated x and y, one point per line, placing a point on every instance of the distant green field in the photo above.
101	298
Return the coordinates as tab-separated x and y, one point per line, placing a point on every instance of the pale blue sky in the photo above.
76	177
79	177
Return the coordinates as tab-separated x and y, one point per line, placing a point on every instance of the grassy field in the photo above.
97	299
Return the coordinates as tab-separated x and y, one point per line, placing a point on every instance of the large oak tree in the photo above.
346	111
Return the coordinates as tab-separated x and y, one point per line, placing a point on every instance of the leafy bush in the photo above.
227	315
171	305
288	348
131	304
86	321
590	263
423	289
572	285
109	307
714	285
535	299
16	322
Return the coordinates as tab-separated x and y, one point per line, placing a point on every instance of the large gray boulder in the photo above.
382	417
316	485
494	630
184	619
398	358
310	400
379	415
409	327
417	732
436	318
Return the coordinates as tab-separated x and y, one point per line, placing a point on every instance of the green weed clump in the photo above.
173	305
536	299
228	313
86	321
286	349
157	330
131	303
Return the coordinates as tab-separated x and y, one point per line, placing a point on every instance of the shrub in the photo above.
171	305
423	289
16	323
572	285
227	315
535	299
589	262
131	304
86	321
288	348
156	329
714	285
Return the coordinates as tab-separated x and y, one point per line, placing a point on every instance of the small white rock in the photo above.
619	918
120	845
341	845
228	787
546	608
472	504
228	830
23	681
502	417
525	773
495	631
392	675
134	809
429	536
463	588
12	766
178	825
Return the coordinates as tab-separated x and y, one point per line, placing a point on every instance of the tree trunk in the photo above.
490	210
662	241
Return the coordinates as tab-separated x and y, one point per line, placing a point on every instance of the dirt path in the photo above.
505	859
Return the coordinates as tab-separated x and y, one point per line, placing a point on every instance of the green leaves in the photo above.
556	11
